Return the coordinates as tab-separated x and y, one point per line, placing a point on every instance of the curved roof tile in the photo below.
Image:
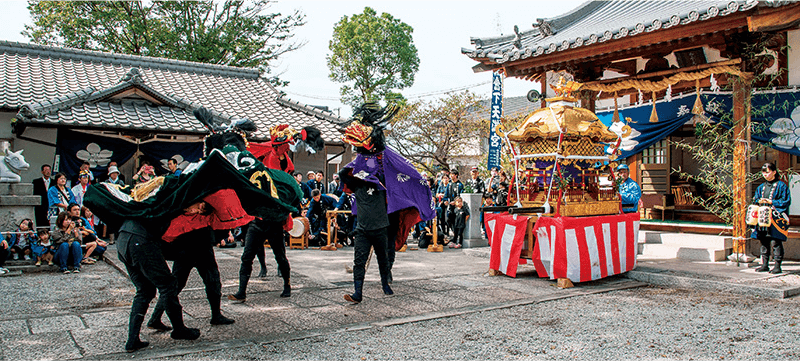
38	77
600	21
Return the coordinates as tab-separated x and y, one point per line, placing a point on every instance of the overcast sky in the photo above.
441	29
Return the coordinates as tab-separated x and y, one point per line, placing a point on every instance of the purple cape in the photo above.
405	187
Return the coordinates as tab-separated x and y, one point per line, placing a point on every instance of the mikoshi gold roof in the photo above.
575	122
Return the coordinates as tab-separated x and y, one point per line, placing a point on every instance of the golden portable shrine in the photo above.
565	217
562	167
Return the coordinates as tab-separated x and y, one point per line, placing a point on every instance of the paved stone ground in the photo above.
84	316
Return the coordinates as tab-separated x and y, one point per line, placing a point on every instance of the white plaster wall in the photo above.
793	40
35	154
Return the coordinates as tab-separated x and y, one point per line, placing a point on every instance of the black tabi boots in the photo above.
287	287
764	264
356	296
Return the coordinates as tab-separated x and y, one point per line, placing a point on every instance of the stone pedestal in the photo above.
17	202
472	234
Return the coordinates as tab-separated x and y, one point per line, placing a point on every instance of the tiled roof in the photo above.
58	82
600	21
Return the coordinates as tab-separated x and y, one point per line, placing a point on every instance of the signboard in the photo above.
496	112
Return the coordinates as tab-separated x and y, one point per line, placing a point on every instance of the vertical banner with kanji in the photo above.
496	112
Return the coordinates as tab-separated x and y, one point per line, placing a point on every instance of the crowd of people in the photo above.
66	233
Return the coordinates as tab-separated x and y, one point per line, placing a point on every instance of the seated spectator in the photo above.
66	241
320	203
423	232
20	242
58	197
3	256
346	223
42	249
228	242
87	235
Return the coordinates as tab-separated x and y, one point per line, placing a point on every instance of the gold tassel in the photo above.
697	109
615	118
653	114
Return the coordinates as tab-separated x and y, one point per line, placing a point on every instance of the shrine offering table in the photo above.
579	248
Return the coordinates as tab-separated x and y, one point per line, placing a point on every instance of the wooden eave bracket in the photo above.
786	18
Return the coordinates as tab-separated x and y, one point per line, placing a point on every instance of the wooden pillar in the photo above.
543	82
741	125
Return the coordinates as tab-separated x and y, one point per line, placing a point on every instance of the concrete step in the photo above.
666	251
691	240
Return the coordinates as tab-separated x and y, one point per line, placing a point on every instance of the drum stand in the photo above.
333	243
435	247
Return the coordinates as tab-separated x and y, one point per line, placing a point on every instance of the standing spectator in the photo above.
774	194
85	167
303	187
461	216
114	176
454	189
40	187
119	175
58	197
321	182
629	191
313	183
320	203
493	182
21	241
501	199
145	173
43	249
442	205
66	242
80	189
172	164
335	186
475	182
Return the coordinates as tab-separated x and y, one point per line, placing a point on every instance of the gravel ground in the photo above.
646	323
53	293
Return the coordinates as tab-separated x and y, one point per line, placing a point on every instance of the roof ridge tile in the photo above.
125	59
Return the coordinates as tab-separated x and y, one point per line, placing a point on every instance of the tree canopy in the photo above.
374	55
235	33
431	134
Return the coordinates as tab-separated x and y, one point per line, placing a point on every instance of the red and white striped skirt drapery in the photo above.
579	248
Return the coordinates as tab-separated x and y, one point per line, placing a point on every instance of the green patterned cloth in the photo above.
264	193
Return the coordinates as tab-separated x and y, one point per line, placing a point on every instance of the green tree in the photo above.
235	33
373	54
431	133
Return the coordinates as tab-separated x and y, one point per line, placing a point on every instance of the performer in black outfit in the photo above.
371	231
282	136
194	250
139	250
257	231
